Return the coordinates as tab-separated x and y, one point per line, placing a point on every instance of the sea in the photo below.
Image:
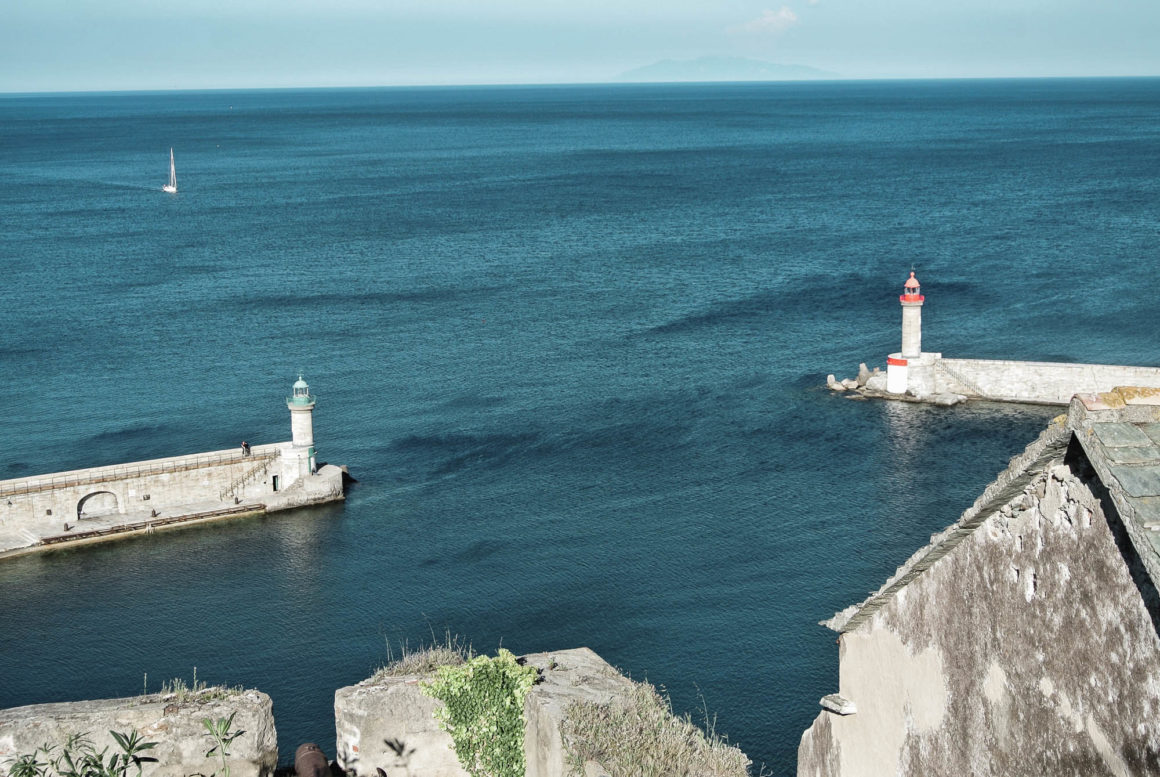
571	341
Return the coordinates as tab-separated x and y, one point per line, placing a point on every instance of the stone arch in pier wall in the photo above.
97	504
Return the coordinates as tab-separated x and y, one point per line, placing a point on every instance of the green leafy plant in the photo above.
79	757
29	765
483	711
222	733
132	745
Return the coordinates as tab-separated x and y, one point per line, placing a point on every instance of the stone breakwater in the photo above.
871	384
103	503
931	378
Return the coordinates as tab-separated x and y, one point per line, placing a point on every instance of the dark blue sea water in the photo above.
571	342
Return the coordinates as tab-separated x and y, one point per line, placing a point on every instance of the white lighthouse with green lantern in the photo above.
301	404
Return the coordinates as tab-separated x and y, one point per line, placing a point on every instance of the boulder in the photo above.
849	383
863	374
833	384
176	726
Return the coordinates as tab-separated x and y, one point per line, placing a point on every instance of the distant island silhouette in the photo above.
723	69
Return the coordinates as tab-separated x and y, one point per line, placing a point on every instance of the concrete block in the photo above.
569	676
390	723
177	728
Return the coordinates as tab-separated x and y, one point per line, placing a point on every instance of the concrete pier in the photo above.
915	375
101	503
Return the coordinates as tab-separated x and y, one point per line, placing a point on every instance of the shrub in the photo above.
79	757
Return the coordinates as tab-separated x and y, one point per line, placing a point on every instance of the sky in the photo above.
96	45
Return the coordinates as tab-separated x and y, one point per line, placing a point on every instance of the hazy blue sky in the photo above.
166	44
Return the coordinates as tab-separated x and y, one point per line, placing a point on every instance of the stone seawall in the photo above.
931	378
124	488
102	502
1017	381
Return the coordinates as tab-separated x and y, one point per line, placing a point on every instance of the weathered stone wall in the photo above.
108	499
177	729
1047	382
389	723
1028	650
145	485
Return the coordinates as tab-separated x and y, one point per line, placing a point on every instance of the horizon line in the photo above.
823	80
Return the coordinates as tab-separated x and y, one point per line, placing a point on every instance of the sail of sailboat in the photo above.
171	187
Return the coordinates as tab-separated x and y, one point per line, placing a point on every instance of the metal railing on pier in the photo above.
958	378
251	474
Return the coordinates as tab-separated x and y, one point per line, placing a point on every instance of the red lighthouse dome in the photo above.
910	291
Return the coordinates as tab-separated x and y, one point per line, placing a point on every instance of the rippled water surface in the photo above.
570	342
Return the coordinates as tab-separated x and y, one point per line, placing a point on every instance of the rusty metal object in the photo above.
310	761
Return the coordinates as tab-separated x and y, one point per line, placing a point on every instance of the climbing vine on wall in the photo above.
483	711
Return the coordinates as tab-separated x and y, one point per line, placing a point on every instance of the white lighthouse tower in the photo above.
897	365
301	405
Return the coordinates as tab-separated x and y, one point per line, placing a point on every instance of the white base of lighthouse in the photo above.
896	374
916	375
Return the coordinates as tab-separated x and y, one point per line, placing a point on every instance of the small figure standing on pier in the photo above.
245	448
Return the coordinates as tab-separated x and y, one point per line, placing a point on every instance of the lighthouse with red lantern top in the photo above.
897	364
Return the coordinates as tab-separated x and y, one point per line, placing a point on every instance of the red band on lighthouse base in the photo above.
890	360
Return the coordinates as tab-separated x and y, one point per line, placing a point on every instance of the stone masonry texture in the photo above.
176	727
1030	649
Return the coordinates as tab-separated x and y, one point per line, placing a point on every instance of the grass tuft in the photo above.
642	738
425	659
198	690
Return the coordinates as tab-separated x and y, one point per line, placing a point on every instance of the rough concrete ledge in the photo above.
1049	446
177	728
389	723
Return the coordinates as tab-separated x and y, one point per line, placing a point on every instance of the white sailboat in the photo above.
171	187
